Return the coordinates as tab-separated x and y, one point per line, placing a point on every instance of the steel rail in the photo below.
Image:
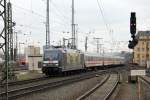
114	88
148	82
88	93
93	89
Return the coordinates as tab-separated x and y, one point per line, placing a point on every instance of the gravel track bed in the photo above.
52	79
102	91
68	92
36	83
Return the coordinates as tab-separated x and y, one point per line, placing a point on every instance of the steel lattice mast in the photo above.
10	31
4	43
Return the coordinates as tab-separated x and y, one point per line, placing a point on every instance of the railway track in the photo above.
18	92
103	90
18	84
13	83
22	82
145	80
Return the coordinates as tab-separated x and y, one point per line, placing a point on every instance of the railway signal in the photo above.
133	24
134	41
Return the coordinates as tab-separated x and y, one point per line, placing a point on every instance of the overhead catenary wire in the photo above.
40	15
101	11
105	22
59	11
104	19
28	10
58	21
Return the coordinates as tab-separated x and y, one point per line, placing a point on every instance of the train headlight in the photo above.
44	65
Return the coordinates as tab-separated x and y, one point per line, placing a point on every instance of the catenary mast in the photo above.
47	25
73	28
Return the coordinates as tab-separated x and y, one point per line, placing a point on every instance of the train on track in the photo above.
62	60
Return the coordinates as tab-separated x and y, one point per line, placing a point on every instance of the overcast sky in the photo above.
29	16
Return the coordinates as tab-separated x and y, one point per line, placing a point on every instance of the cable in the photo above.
105	22
28	26
63	20
56	8
58	13
101	11
60	20
28	10
37	15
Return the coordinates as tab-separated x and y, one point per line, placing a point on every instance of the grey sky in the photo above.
30	17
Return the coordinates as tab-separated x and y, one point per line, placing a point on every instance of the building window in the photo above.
147	55
143	43
142	49
138	49
143	56
147	49
138	55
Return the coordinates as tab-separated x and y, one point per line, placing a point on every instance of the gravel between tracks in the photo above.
69	92
52	79
102	91
35	83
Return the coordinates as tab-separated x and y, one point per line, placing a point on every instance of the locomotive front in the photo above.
51	61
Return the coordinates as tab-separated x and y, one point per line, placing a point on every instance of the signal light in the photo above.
134	42
133	23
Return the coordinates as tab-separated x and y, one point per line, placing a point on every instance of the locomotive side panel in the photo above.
73	61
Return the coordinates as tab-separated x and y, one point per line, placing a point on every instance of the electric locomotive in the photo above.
58	60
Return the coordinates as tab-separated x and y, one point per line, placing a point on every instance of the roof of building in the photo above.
143	33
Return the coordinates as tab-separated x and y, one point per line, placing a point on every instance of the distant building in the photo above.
33	57
31	51
142	49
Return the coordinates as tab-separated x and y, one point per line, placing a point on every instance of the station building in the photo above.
141	52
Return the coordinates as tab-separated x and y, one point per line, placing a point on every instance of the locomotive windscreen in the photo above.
51	55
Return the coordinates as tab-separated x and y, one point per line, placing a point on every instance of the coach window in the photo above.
91	58
99	59
88	58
